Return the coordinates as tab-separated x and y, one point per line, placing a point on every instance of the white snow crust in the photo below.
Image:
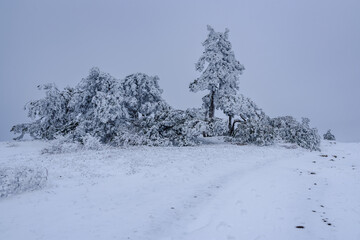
213	191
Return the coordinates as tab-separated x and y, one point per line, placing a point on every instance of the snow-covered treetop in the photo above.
239	105
222	69
142	94
89	87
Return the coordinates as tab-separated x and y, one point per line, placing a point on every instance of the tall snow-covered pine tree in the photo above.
220	73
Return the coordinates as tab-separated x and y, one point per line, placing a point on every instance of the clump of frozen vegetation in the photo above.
173	128
253	125
256	131
104	111
168	127
292	131
21	179
62	145
65	144
329	136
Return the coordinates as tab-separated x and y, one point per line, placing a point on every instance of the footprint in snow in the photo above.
325	220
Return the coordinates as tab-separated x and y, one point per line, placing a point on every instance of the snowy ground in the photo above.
215	191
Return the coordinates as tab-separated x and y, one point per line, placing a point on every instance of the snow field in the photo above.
213	191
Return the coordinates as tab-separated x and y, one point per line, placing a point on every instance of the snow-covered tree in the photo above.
95	106
98	106
329	136
102	109
51	114
142	95
220	73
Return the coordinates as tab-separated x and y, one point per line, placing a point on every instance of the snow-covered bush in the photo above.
252	125
329	136
67	145
292	131
91	143
253	130
244	108
168	127
172	128
62	145
21	179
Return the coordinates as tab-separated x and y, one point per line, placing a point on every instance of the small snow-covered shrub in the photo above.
329	136
67	145
292	131
21	179
91	143
61	145
254	131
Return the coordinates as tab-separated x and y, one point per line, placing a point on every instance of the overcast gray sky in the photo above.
302	58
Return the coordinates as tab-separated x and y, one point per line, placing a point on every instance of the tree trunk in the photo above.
233	124
212	106
230	125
